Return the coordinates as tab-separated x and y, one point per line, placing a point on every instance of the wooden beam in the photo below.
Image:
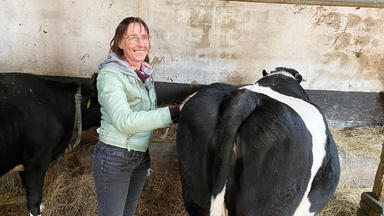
342	3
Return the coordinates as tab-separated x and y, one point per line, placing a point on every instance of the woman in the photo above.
129	116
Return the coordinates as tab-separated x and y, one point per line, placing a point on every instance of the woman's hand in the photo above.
185	101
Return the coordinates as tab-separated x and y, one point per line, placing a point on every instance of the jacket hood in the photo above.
114	61
123	66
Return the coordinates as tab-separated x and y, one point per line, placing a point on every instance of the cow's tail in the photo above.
234	109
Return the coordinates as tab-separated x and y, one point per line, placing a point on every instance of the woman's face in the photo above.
134	44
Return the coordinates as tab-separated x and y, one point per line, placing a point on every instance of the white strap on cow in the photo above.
78	123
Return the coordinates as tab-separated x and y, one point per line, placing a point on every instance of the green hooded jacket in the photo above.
128	106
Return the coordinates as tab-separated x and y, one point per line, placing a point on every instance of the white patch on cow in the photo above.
42	206
149	172
218	205
285	73
314	122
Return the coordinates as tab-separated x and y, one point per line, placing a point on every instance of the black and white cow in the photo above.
258	150
36	123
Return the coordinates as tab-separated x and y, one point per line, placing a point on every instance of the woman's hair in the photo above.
119	33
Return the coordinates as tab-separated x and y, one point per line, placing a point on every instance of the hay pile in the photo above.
12	195
162	192
69	188
345	202
159	135
360	141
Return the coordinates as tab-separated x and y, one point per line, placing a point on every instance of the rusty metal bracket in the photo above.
369	205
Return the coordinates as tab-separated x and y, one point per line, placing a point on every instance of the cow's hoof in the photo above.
41	209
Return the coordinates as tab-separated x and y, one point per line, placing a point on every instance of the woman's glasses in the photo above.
134	38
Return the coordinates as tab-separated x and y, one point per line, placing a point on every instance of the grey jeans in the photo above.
119	177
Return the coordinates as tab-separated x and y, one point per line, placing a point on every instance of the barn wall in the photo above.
335	48
338	50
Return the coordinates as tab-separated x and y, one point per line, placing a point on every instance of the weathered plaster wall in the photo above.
195	41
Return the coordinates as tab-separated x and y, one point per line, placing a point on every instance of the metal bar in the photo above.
344	3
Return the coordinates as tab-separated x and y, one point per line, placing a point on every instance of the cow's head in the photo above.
287	72
284	80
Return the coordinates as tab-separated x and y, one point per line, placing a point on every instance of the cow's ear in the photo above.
265	73
298	78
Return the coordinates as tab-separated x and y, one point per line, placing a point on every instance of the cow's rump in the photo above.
262	149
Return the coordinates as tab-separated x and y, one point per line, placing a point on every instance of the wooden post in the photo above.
378	187
371	204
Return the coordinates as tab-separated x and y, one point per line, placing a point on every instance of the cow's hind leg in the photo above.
194	209
326	179
33	177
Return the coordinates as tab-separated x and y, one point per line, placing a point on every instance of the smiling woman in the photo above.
129	115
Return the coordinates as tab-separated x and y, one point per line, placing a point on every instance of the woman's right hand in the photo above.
185	101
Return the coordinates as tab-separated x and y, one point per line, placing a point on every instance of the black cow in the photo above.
258	150
36	122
